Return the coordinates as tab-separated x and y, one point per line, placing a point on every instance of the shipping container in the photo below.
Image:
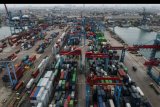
39	95
111	103
35	74
20	84
34	93
128	105
140	91
48	74
49	87
40	105
121	72
43	82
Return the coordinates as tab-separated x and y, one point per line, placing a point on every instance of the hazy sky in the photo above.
39	5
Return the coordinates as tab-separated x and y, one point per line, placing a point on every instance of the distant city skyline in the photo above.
87	5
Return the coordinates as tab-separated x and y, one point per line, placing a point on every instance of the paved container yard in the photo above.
27	75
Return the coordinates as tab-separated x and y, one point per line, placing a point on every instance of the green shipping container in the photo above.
71	103
125	69
110	81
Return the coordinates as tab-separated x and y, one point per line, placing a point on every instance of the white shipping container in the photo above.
52	77
43	82
56	71
134	88
40	82
42	65
56	48
72	94
112	90
130	80
57	57
43	99
35	102
50	105
128	105
48	75
60	82
47	59
104	105
49	87
29	84
111	103
47	96
63	34
40	105
140	91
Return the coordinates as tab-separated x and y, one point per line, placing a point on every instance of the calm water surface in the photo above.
133	35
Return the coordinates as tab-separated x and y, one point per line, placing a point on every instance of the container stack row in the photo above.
65	91
42	93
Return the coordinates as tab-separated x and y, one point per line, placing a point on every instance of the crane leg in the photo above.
106	64
14	72
122	56
9	74
152	56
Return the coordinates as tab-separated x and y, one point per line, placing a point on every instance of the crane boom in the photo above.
6	10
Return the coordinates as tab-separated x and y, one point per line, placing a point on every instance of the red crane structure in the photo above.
93	80
76	51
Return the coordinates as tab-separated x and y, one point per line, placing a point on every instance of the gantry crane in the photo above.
98	55
9	19
10	69
93	80
17	23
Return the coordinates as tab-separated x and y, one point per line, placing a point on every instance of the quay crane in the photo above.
17	23
9	68
92	80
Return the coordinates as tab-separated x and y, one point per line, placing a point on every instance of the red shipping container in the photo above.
33	92
62	75
69	98
19	85
95	105
34	74
19	72
32	58
121	72
66	104
13	57
67	85
19	75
